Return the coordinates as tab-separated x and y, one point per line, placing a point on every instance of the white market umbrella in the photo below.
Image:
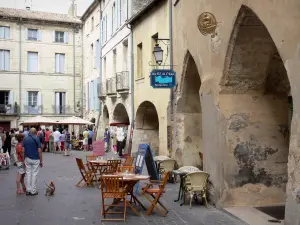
75	121
39	120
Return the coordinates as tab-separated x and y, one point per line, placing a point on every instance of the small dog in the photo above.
50	189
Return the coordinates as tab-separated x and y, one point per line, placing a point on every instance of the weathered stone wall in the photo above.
141	136
257	140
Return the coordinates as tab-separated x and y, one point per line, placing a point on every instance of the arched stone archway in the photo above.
105	117
189	116
147	126
254	100
120	114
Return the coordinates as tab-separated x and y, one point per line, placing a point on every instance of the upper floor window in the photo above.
140	60
59	63
4	59
4	32
32	63
113	18
60	37
32	98
32	34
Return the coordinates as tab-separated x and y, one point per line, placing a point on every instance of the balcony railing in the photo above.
123	81
31	109
111	87
7	109
102	90
62	109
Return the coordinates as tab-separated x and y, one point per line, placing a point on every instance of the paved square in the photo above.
72	205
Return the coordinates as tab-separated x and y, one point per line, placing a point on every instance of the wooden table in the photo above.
98	166
129	183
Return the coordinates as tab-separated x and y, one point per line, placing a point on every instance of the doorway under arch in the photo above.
105	117
120	114
147	126
255	102
189	116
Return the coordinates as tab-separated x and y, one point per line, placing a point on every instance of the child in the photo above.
20	165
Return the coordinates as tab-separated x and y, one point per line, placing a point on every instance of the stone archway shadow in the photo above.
254	99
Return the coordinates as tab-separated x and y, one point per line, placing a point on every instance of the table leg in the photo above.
180	189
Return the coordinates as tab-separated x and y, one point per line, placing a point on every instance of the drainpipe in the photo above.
82	72
132	75
20	67
171	52
74	71
100	70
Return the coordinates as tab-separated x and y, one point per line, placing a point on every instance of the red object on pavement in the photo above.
98	148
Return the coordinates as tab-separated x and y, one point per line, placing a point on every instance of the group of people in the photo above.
117	138
25	149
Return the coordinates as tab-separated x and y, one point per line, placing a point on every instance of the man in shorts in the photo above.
68	142
57	136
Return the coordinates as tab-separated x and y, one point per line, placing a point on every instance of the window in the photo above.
104	66
32	34
113	17
60	103
92	24
140	60
92	57
32	98
4	32
4	59
124	14
60	37
59	63
125	55
104	29
119	13
97	55
32	63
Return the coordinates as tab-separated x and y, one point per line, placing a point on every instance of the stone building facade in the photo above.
41	65
115	84
91	61
149	23
236	100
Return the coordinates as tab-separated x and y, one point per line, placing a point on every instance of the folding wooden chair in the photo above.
124	169
156	193
128	161
87	175
88	158
112	166
112	188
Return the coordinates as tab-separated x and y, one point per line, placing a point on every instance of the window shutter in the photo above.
2	61
56	102
2	35
66	37
53	36
56	63
26	109
39	102
26	33
87	97
61	63
11	102
96	94
7	32
118	13
97	54
39	35
91	100
7	60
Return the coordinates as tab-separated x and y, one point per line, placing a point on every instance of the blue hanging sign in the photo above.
163	78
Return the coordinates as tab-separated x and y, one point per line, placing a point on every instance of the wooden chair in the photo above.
149	191
123	169
128	161
88	158
87	175
112	188
112	166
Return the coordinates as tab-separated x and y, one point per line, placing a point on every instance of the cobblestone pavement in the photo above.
72	205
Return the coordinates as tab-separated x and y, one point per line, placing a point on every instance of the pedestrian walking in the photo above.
68	142
56	136
63	140
47	135
20	165
25	132
14	143
33	160
40	135
85	139
7	143
90	139
120	139
106	139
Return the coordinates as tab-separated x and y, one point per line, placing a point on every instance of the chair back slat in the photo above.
165	180
112	166
112	184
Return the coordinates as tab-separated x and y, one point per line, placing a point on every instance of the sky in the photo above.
56	6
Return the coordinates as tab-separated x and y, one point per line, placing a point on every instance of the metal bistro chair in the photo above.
166	166
196	185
